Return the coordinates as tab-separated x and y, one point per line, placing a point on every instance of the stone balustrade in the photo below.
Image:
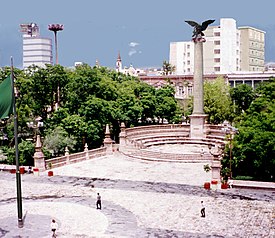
76	157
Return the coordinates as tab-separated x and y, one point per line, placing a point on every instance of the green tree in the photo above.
168	68
56	141
26	152
242	96
217	102
255	143
167	106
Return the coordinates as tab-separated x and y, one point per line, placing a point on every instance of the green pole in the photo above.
18	176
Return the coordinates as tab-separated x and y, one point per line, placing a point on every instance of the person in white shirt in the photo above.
54	227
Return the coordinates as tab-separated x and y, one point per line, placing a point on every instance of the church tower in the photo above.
118	63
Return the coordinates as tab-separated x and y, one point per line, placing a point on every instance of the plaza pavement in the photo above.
139	199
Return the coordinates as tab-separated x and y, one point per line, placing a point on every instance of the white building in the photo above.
36	50
227	49
182	56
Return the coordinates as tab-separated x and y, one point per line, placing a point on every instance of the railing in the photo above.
73	158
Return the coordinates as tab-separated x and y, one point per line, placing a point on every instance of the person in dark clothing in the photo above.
98	201
202	209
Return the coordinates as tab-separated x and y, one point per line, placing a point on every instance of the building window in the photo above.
188	62
181	92
217	51
217	60
217	34
248	82
190	90
188	54
217	42
217	69
188	46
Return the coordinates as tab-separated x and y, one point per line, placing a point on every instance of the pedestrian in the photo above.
98	201
202	209
54	227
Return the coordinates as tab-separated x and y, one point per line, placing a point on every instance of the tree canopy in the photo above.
78	103
254	146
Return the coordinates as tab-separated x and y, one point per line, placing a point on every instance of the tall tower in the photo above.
36	50
118	63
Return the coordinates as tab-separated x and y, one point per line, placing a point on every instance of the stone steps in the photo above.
168	157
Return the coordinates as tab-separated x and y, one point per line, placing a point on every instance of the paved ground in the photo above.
140	199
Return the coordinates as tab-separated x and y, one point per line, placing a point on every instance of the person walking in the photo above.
98	201
54	227
202	209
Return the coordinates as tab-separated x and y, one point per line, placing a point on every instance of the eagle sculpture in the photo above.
198	29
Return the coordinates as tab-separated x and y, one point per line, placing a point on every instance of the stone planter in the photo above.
13	171
224	186
207	185
22	170
50	173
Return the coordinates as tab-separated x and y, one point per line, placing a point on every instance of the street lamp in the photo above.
55	28
231	131
35	125
39	161
3	135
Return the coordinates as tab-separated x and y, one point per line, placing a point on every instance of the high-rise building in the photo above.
227	49
37	50
252	49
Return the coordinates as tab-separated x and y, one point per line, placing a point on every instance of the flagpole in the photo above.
18	176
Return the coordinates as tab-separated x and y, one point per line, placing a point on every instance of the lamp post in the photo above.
231	131
55	28
39	161
35	125
3	135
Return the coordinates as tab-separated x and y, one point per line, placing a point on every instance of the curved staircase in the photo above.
138	142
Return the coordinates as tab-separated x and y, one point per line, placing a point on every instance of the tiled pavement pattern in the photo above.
140	199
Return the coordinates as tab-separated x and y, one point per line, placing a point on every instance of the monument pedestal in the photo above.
108	142
197	122
216	170
39	161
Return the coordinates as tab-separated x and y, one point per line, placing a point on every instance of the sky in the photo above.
140	30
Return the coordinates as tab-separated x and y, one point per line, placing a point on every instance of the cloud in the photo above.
132	52
133	44
134	48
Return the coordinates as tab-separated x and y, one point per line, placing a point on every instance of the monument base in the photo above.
197	122
216	170
39	163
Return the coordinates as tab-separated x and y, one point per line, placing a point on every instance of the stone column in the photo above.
86	149
67	154
39	161
197	119
122	136
108	142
